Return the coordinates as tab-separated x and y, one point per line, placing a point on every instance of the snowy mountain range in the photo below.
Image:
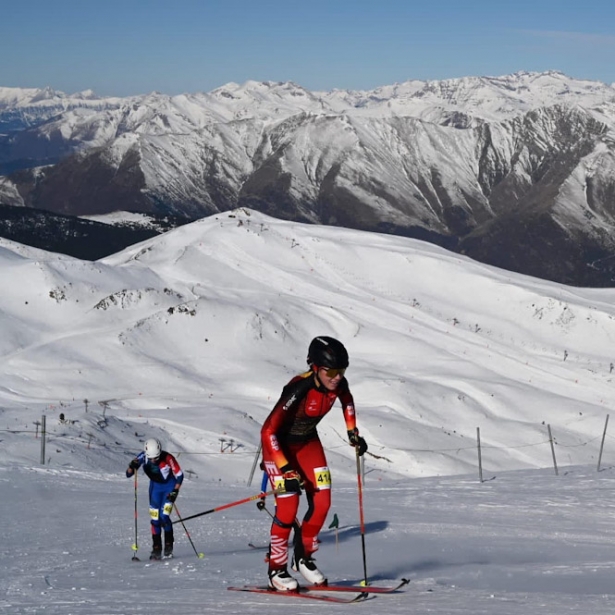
516	171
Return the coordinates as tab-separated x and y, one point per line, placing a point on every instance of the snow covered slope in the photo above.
203	325
189	337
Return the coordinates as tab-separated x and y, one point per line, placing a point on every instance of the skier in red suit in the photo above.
294	458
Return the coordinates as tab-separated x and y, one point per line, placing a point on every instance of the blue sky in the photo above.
139	46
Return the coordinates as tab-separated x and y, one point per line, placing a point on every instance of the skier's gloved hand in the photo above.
173	495
357	441
292	480
261	504
134	464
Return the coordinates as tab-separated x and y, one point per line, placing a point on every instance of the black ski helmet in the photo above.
327	352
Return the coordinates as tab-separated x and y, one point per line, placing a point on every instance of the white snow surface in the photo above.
190	337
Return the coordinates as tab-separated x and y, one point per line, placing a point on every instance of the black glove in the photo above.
292	480
357	441
261	504
173	495
134	464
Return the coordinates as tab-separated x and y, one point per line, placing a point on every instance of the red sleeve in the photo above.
347	401
269	434
176	469
280	417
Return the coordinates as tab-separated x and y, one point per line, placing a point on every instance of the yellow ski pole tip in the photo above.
201	555
134	547
363	583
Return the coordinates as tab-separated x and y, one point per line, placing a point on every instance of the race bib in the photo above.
154	513
167	509
322	478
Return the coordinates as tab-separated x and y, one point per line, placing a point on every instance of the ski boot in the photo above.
280	580
307	567
156	547
168	544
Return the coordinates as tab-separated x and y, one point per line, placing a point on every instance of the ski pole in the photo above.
225	506
135	546
197	553
361	519
264	482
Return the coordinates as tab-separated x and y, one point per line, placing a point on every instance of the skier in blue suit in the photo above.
166	478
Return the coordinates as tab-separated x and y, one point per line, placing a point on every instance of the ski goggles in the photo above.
332	372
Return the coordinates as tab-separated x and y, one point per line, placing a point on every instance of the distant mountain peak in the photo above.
471	163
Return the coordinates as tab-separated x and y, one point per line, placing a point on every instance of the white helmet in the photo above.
152	448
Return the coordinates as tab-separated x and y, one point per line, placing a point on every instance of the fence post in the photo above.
552	450
480	458
256	457
43	436
602	443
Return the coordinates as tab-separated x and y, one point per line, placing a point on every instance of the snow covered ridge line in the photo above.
43	98
497	94
515	171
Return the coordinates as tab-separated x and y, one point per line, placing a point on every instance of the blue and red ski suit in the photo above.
165	475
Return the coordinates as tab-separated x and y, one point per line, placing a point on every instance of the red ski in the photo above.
366	589
301	593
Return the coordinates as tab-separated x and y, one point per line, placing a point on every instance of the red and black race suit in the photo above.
290	440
